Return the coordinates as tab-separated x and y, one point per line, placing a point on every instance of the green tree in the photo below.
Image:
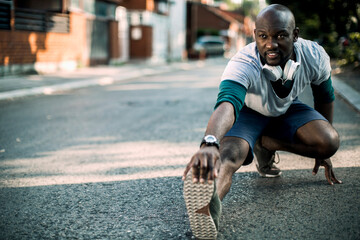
246	7
325	21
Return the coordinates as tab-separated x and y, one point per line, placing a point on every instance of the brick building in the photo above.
51	35
45	36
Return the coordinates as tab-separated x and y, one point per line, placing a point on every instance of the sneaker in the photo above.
265	160
203	207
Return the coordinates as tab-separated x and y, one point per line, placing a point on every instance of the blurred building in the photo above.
46	36
156	29
210	19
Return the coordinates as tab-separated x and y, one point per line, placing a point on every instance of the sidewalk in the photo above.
348	93
12	87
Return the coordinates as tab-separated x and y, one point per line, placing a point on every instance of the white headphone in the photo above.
274	73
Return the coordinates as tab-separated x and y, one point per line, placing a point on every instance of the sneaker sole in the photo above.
267	175
197	199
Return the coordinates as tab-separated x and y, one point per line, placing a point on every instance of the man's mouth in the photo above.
272	55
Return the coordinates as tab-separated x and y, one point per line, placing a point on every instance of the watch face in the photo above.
210	139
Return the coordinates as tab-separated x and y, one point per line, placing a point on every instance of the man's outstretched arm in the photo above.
203	162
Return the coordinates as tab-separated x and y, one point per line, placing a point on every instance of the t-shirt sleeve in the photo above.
324	67
232	92
240	70
323	93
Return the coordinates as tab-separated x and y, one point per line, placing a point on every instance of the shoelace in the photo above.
274	157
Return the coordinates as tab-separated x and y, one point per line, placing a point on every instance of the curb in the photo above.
107	80
346	92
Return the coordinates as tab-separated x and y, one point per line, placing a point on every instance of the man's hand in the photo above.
329	173
203	165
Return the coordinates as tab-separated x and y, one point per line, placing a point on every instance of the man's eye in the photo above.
281	36
262	36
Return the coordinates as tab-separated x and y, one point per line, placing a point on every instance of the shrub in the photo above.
351	52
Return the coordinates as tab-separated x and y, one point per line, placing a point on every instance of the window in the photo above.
41	16
162	6
5	14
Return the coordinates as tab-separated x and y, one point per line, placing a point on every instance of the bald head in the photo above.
276	12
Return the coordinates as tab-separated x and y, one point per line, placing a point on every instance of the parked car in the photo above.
210	45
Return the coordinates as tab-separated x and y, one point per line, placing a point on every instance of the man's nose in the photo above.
271	43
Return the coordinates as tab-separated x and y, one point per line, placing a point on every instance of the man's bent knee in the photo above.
233	152
328	141
330	144
321	136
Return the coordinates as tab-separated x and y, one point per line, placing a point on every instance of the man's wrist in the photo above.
210	140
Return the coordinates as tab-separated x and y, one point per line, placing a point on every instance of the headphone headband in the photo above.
274	73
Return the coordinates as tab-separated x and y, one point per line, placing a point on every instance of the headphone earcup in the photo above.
290	69
273	73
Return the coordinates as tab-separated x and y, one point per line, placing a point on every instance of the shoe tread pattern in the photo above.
197	196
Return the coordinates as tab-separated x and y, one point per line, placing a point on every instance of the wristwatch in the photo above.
210	140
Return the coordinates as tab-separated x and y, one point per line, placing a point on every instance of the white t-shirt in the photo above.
246	68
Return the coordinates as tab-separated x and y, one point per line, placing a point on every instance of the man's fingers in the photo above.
202	166
204	169
334	179
328	174
316	167
207	169
211	173
187	169
195	170
189	166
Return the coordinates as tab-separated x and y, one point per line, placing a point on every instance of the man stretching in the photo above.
258	111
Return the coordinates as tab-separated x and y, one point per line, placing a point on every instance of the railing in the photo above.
5	15
41	21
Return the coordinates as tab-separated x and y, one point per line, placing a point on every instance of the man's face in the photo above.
274	38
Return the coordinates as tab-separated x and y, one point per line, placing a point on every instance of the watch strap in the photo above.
212	143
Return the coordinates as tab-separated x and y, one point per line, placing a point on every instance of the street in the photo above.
105	162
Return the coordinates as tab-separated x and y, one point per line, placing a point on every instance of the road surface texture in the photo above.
106	163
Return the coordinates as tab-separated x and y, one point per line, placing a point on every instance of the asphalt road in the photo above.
105	163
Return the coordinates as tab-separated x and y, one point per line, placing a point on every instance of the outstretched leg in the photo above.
233	154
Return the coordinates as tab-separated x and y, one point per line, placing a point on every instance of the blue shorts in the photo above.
250	124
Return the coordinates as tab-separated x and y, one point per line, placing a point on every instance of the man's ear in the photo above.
296	34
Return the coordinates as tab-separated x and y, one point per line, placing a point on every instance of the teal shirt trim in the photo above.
323	93
232	92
